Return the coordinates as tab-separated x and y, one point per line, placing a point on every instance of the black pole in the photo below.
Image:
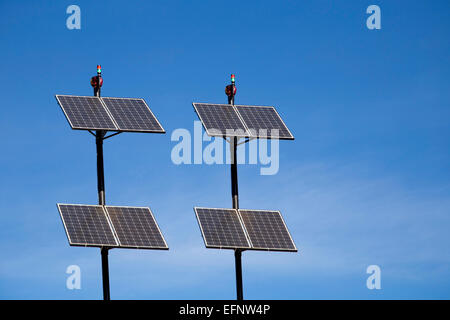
233	156
234	177
99	135
235	199
105	273
101	201
238	267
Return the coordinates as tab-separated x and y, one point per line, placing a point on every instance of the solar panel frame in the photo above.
260	248
118	237
124	129
210	132
80	244
213	246
74	126
289	135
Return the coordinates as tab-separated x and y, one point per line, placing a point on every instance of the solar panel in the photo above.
132	114
87	225
221	228
251	121
267	230
86	113
261	122
136	227
220	120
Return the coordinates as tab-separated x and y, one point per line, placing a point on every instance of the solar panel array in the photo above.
244	229
111	226
249	121
109	114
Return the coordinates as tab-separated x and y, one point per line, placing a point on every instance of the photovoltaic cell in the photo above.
220	120
267	230
221	228
86	113
261	122
132	114
136	227
87	225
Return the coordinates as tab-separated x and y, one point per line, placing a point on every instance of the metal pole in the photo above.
101	201
233	156
99	135
105	273
234	177
238	265
235	199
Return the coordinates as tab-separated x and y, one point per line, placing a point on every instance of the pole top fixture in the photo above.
97	81
230	90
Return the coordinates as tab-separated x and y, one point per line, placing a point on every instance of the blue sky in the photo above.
365	182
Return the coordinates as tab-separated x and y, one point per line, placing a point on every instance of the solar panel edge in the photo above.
200	227
159	123
63	222
285	226
160	232
289	233
142	131
287	128
141	247
109	113
110	226
64	111
247	129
